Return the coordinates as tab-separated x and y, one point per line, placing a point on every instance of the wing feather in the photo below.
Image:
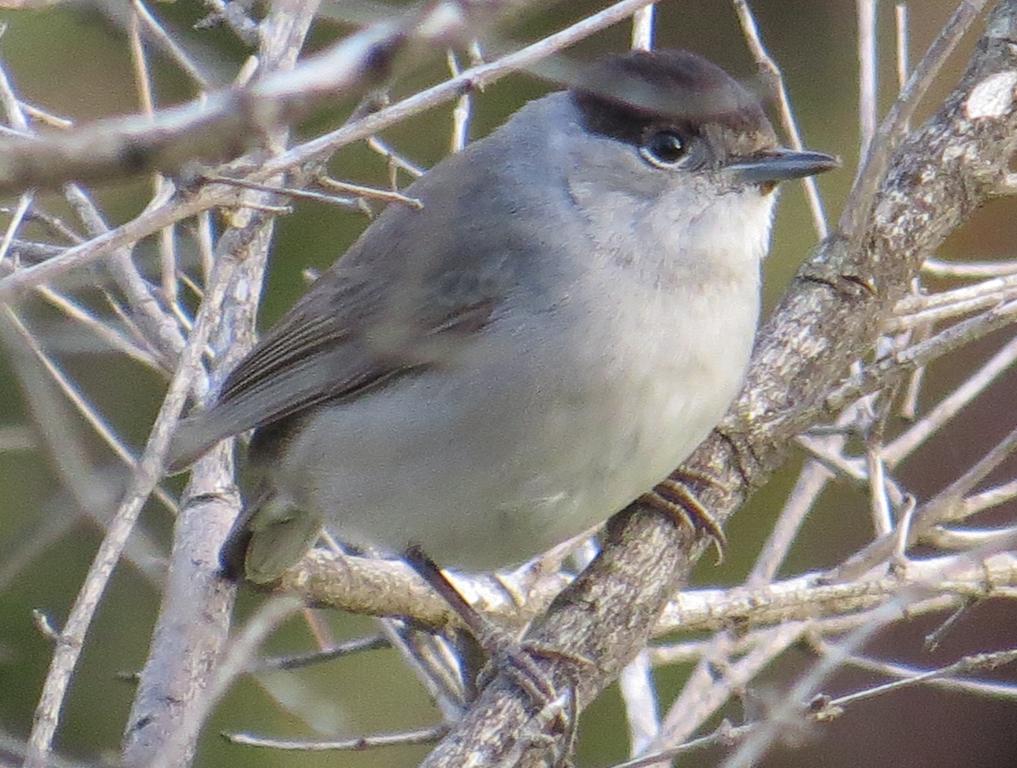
376	314
303	363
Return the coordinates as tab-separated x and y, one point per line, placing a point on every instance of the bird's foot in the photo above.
674	497
520	661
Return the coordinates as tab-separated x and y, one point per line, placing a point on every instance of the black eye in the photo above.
663	148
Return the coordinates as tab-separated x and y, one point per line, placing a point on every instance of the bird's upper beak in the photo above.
780	165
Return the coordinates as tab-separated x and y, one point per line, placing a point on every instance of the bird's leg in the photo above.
496	642
674	497
518	659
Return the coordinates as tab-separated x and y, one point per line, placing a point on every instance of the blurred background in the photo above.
73	60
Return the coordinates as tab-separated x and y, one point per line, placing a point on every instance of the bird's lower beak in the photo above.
780	165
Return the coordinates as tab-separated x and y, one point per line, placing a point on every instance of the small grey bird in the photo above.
565	319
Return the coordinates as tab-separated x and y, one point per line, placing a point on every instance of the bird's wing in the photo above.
409	294
351	332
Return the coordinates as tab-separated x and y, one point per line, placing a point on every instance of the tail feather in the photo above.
234	550
194	437
189	442
268	537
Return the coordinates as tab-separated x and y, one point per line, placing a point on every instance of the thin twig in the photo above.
946	409
40	115
169	46
992	497
858	205
966	665
146	476
159	327
24	203
348	203
993	290
16	117
945	506
872	377
373	193
969	269
943	677
88	412
902	28
868	73
421	736
143	81
775	80
318	657
724	735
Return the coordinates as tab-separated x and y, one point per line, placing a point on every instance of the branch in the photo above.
389	588
176	688
213	128
829	318
161	213
146	476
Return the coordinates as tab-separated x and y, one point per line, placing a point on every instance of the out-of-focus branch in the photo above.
213	128
829	318
177	688
908	198
146	475
172	208
774	79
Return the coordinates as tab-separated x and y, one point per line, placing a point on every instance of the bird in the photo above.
564	318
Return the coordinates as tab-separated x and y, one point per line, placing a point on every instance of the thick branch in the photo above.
829	318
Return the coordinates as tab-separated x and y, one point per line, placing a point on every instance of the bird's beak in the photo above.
780	165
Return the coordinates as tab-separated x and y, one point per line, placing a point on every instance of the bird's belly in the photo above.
488	469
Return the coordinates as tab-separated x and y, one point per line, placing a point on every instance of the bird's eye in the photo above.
663	148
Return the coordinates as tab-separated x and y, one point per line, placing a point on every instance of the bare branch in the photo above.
147	474
168	45
943	677
868	74
212	128
830	366
774	78
890	133
422	736
163	212
175	692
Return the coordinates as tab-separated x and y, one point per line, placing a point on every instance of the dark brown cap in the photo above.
623	95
